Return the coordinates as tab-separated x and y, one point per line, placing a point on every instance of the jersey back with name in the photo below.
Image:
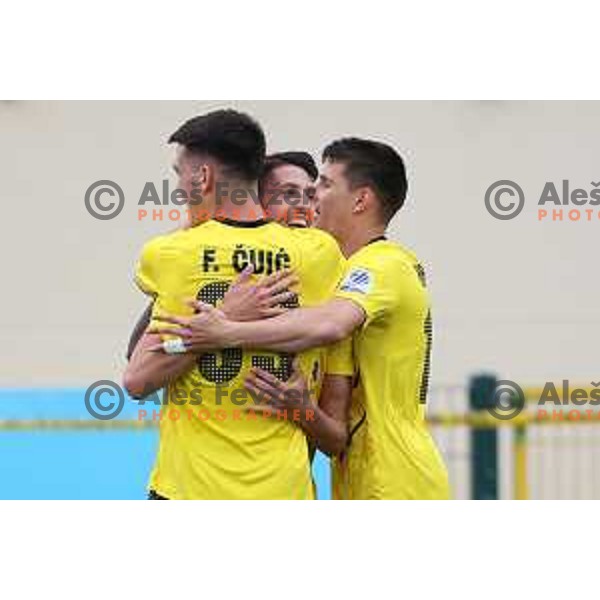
211	444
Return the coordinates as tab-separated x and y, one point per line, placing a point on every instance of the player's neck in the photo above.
244	213
359	237
238	202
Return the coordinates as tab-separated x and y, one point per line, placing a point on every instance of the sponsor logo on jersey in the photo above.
358	280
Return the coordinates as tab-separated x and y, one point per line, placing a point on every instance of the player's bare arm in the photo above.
149	371
244	301
139	329
325	423
294	331
247	300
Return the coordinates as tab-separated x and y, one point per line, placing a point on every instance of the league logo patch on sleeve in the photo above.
358	280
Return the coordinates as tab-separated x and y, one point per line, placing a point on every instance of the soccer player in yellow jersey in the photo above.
382	302
210	445
286	192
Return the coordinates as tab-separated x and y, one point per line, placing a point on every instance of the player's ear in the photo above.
203	177
206	178
363	199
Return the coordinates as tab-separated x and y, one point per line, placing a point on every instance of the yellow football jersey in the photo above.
391	453
211	446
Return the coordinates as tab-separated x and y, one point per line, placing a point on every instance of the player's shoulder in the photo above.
153	246
188	235
386	256
385	264
277	230
166	244
316	240
386	251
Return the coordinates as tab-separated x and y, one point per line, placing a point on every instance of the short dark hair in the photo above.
373	164
296	158
233	138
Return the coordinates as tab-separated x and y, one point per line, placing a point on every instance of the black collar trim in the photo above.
380	238
246	224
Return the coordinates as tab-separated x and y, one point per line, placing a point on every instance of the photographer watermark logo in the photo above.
504	199
104	400
558	201
508	400
100	199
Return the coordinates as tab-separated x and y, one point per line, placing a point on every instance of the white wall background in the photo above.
517	297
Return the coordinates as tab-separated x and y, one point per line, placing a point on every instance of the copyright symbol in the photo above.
104	209
104	411
509	400
502	208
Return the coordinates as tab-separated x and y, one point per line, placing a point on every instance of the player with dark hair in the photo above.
286	192
382	302
233	139
221	155
287	186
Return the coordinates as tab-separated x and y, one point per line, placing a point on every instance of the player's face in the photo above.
287	187
333	201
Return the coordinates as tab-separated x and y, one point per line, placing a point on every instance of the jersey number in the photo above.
225	365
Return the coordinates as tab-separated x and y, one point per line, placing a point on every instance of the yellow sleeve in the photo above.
147	269
375	283
339	358
156	275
